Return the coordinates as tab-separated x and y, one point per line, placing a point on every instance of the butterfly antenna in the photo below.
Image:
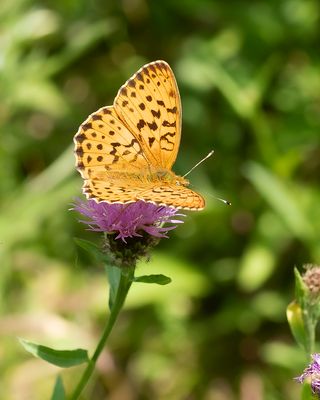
201	161
224	201
228	203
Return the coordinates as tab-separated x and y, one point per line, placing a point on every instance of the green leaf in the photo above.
301	289
159	279
92	249
303	323
114	275
296	323
61	358
306	392
58	391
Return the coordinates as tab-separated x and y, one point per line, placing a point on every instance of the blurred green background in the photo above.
248	73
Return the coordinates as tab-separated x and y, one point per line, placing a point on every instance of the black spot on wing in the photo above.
80	138
139	77
141	124
80	165
152	68
86	126
79	151
172	110
123	91
132	83
153	126
156	114
151	140
167	123
167	141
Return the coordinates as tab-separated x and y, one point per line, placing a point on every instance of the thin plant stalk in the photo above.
122	291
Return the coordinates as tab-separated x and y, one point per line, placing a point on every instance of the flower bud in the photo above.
311	278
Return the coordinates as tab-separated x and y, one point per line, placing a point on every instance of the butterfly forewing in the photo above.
149	104
104	143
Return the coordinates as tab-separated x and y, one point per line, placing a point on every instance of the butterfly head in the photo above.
180	181
171	178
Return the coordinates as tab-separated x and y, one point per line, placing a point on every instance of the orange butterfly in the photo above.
125	152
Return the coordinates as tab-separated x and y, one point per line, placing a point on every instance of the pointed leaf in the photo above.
61	358
92	249
301	289
159	279
114	275
58	391
296	323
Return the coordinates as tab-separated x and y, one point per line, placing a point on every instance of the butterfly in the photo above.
125	152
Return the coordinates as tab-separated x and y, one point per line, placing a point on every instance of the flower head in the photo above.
128	220
312	372
311	278
139	225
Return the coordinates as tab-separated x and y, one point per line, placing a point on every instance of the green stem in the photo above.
122	291
311	330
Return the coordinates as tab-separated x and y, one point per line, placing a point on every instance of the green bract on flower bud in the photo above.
126	254
304	312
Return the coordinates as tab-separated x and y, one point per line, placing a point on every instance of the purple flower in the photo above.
128	220
313	373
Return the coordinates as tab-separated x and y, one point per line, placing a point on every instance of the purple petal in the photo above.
312	372
128	220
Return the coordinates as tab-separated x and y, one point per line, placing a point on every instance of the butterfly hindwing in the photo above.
173	195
